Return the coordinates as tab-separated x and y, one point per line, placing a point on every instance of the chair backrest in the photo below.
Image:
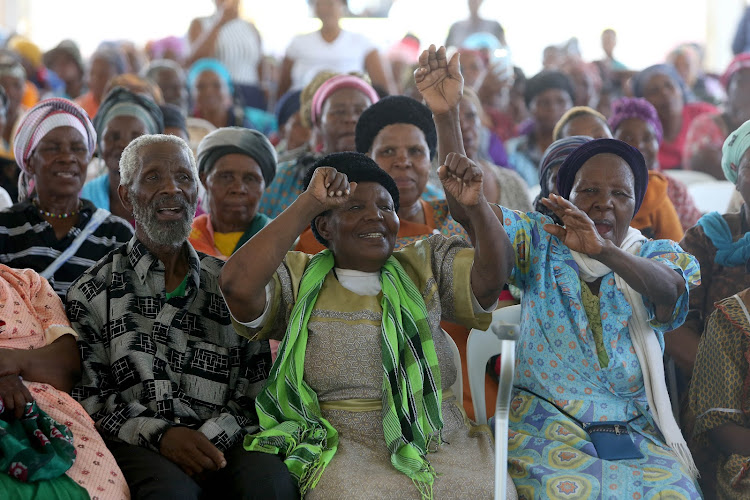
689	177
712	196
481	346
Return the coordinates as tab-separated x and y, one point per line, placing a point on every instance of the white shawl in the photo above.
647	349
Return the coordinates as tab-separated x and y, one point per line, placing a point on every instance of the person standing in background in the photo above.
460	30
333	49
236	43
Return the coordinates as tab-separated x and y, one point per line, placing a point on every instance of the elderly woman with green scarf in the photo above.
235	165
357	401
721	243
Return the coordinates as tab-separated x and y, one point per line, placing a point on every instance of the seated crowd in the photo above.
204	295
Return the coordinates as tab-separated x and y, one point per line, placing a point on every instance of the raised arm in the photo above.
462	179
654	280
441	84
380	73
245	275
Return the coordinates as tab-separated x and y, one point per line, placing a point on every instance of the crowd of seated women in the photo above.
210	285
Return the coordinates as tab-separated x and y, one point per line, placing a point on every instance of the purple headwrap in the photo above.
573	163
553	157
635	107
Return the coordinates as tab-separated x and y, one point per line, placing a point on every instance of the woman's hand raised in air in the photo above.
462	179
330	188
579	233
438	80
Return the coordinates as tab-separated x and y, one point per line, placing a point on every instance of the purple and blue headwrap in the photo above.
640	80
626	108
573	163
208	64
553	157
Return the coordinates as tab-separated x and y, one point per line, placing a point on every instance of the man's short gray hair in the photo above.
130	160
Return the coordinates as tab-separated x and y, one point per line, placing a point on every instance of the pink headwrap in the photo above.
336	83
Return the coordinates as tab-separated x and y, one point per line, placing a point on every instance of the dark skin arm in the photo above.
245	275
731	438
57	364
682	346
441	85
652	279
462	179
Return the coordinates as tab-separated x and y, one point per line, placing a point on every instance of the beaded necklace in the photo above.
57	216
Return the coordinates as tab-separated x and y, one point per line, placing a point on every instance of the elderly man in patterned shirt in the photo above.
168	382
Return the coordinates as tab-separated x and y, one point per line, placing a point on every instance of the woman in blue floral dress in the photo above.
597	298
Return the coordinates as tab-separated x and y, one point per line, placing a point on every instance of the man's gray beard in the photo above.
165	233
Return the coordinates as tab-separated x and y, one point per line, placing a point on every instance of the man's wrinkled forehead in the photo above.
164	155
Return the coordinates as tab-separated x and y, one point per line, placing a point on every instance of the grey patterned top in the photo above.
150	363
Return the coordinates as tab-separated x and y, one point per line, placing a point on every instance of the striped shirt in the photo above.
29	241
238	48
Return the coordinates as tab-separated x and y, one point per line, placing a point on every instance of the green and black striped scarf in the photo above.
288	410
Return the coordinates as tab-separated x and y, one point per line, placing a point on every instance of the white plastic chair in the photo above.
690	177
712	196
500	339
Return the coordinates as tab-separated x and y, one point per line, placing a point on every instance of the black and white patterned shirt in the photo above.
150	363
29	241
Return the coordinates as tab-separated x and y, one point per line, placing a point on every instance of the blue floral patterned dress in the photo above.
550	456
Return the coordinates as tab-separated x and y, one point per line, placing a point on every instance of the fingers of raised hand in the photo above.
337	184
441	57
433	58
454	65
460	167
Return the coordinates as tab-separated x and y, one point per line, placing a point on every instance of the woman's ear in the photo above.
324	226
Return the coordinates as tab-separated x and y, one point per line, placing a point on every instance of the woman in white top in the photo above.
331	48
236	43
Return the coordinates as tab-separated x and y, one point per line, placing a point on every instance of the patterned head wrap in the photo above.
208	64
237	140
553	157
573	163
635	107
337	83
46	116
40	120
122	102
733	150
